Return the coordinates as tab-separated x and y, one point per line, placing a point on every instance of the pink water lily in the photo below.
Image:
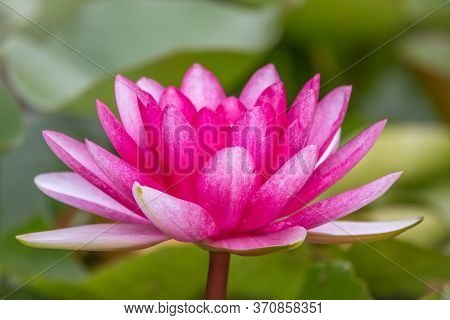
230	174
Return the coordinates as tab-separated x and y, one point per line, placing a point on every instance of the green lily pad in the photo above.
333	280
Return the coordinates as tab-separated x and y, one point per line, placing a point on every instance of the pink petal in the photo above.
182	220
120	173
356	231
304	107
331	148
71	189
180	153
260	80
212	132
231	109
275	97
75	155
122	142
151	86
336	166
96	237
127	103
338	206
249	132
329	116
202	87
259	243
174	97
265	204
225	184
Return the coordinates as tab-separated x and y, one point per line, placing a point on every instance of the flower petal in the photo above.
151	86
259	243
202	87
357	231
337	206
174	97
231	109
127	103
125	146
249	132
275	97
96	237
182	220
329	116
120	173
225	184
265	204
260	80
76	156
336	166
71	189
331	148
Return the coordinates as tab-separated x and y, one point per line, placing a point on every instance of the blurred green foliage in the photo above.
56	57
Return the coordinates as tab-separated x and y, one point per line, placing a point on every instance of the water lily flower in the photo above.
230	174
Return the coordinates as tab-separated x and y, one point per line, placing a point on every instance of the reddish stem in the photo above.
216	286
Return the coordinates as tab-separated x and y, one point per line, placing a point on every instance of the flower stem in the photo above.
216	286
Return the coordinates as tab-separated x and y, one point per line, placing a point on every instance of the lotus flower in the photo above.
236	175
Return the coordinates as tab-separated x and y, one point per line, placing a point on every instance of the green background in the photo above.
56	57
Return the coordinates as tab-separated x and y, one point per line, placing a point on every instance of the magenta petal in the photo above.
331	148
96	237
76	156
358	231
231	109
151	86
259	243
182	220
265	205
337	206
122	142
211	130
180	153
174	97
329	116
249	132
71	189
120	173
260	80
202	87
275	98
225	184
336	166
127	103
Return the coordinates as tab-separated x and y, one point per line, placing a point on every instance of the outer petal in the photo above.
338	206
259	243
71	189
225	184
356	231
260	80
202	87
127	103
122	142
76	156
118	171
174	97
329	116
182	220
265	204
151	86
336	166
231	109
96	237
